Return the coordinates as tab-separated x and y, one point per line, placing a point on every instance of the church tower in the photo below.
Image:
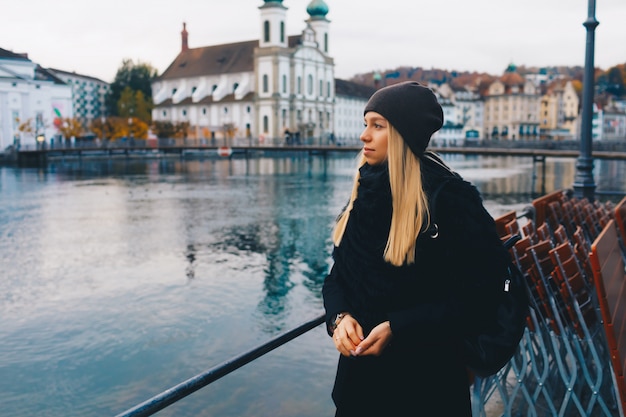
272	68
273	30
317	11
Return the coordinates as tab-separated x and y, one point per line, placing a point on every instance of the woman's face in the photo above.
374	138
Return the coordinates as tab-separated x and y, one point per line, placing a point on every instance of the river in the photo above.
121	278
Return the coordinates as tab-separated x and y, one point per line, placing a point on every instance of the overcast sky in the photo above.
94	37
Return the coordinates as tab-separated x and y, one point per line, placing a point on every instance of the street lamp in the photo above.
584	185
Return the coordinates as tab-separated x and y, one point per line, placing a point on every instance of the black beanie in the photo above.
412	109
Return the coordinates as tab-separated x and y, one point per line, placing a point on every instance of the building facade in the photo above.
33	101
88	96
559	111
512	106
274	89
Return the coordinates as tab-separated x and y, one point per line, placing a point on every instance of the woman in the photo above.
406	283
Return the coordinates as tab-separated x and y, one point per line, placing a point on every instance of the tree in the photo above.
70	127
136	78
164	129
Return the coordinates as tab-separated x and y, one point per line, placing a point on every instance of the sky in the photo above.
93	37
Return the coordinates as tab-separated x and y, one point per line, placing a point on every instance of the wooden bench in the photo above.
610	281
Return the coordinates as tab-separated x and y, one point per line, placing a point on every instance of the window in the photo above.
299	86
321	88
248	109
204	111
282	32
285	84
328	89
310	84
235	87
265	83
284	114
326	42
266	124
266	31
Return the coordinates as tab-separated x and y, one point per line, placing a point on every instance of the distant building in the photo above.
609	123
274	89
511	108
350	100
32	102
88	95
559	111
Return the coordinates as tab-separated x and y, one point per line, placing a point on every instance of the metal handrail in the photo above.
177	392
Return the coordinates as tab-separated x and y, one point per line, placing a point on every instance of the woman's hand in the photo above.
375	342
348	335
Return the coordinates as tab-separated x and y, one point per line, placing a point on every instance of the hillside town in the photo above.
282	88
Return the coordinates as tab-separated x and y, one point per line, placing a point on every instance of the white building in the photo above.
88	95
268	90
32	96
350	100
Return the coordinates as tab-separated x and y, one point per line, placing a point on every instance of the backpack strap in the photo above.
433	229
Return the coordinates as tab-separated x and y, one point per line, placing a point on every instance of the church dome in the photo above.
317	9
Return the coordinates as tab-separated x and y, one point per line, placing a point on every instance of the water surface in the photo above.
123	278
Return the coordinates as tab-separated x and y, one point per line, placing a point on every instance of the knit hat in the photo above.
412	109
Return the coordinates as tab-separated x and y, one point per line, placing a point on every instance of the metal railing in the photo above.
171	395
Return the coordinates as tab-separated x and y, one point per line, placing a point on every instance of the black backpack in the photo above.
487	353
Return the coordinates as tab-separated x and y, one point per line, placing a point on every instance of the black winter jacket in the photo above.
430	304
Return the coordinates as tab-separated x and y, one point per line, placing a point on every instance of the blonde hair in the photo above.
410	215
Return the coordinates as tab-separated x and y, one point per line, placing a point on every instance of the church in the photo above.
274	90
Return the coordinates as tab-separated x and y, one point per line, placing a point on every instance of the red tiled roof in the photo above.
217	59
212	60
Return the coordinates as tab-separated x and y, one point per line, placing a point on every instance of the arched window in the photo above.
326	42
266	87
282	32
266	124
266	31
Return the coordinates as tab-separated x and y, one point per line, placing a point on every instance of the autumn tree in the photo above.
130	80
115	128
134	104
70	127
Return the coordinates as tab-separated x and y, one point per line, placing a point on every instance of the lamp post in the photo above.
584	185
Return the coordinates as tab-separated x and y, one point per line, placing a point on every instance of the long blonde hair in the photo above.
410	213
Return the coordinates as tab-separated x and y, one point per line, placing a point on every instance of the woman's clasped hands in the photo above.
350	340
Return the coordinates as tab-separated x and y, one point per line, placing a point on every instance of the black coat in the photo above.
429	304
